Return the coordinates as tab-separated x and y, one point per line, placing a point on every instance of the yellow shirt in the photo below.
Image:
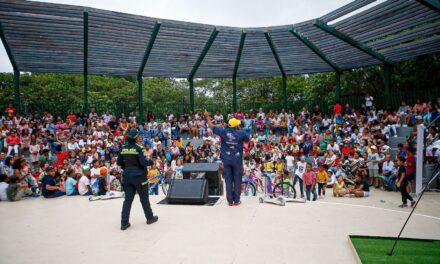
268	166
322	176
180	143
279	167
152	173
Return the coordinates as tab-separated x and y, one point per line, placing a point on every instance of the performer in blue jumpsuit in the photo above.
134	163
232	156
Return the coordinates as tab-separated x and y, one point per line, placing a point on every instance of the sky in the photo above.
236	13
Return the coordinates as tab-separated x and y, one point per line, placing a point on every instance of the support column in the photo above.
17	90
86	55
234	94
285	93
191	94
387	82
338	86
141	101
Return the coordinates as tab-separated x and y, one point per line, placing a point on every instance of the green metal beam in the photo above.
275	54
285	92
238	58
387	82
234	74
7	48
338	86
234	94
149	48
352	42
141	100
86	56
191	94
433	4
17	90
203	54
315	49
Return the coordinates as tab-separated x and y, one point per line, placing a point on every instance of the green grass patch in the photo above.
375	249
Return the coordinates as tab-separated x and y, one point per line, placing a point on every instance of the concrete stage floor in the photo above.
73	230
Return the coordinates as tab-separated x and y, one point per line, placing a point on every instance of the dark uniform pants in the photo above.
233	171
132	185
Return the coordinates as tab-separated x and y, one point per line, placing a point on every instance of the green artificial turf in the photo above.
375	249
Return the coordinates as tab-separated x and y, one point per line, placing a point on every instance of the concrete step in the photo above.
404	131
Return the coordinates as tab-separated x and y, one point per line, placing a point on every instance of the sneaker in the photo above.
231	204
152	220
237	204
414	202
125	227
403	206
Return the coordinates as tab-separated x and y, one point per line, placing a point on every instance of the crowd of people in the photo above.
346	150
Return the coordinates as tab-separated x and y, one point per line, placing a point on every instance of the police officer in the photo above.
232	156
132	160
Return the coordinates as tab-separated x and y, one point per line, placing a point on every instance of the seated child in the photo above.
16	190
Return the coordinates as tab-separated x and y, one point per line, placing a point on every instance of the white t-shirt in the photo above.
369	101
95	173
373	165
289	160
388	166
82	185
3	193
300	168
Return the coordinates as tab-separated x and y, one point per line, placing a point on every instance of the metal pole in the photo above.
387	82
338	86
234	94
412	211
191	94
141	101
284	92
17	90
86	53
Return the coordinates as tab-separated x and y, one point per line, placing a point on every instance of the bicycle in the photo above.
161	180
282	188
251	184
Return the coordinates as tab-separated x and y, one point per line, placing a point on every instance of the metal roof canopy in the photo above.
45	37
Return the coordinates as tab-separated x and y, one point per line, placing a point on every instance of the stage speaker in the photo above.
188	191
208	171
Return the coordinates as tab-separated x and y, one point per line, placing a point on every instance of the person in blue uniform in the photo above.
232	139
132	160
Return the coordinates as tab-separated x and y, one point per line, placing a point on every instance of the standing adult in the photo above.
134	163
232	156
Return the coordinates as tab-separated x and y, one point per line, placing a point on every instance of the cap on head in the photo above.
85	168
234	122
133	133
49	168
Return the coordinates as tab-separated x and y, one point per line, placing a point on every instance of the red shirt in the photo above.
337	109
11	111
60	157
410	164
72	118
346	151
13	140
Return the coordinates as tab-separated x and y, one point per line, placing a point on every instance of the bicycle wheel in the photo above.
249	189
284	189
165	186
